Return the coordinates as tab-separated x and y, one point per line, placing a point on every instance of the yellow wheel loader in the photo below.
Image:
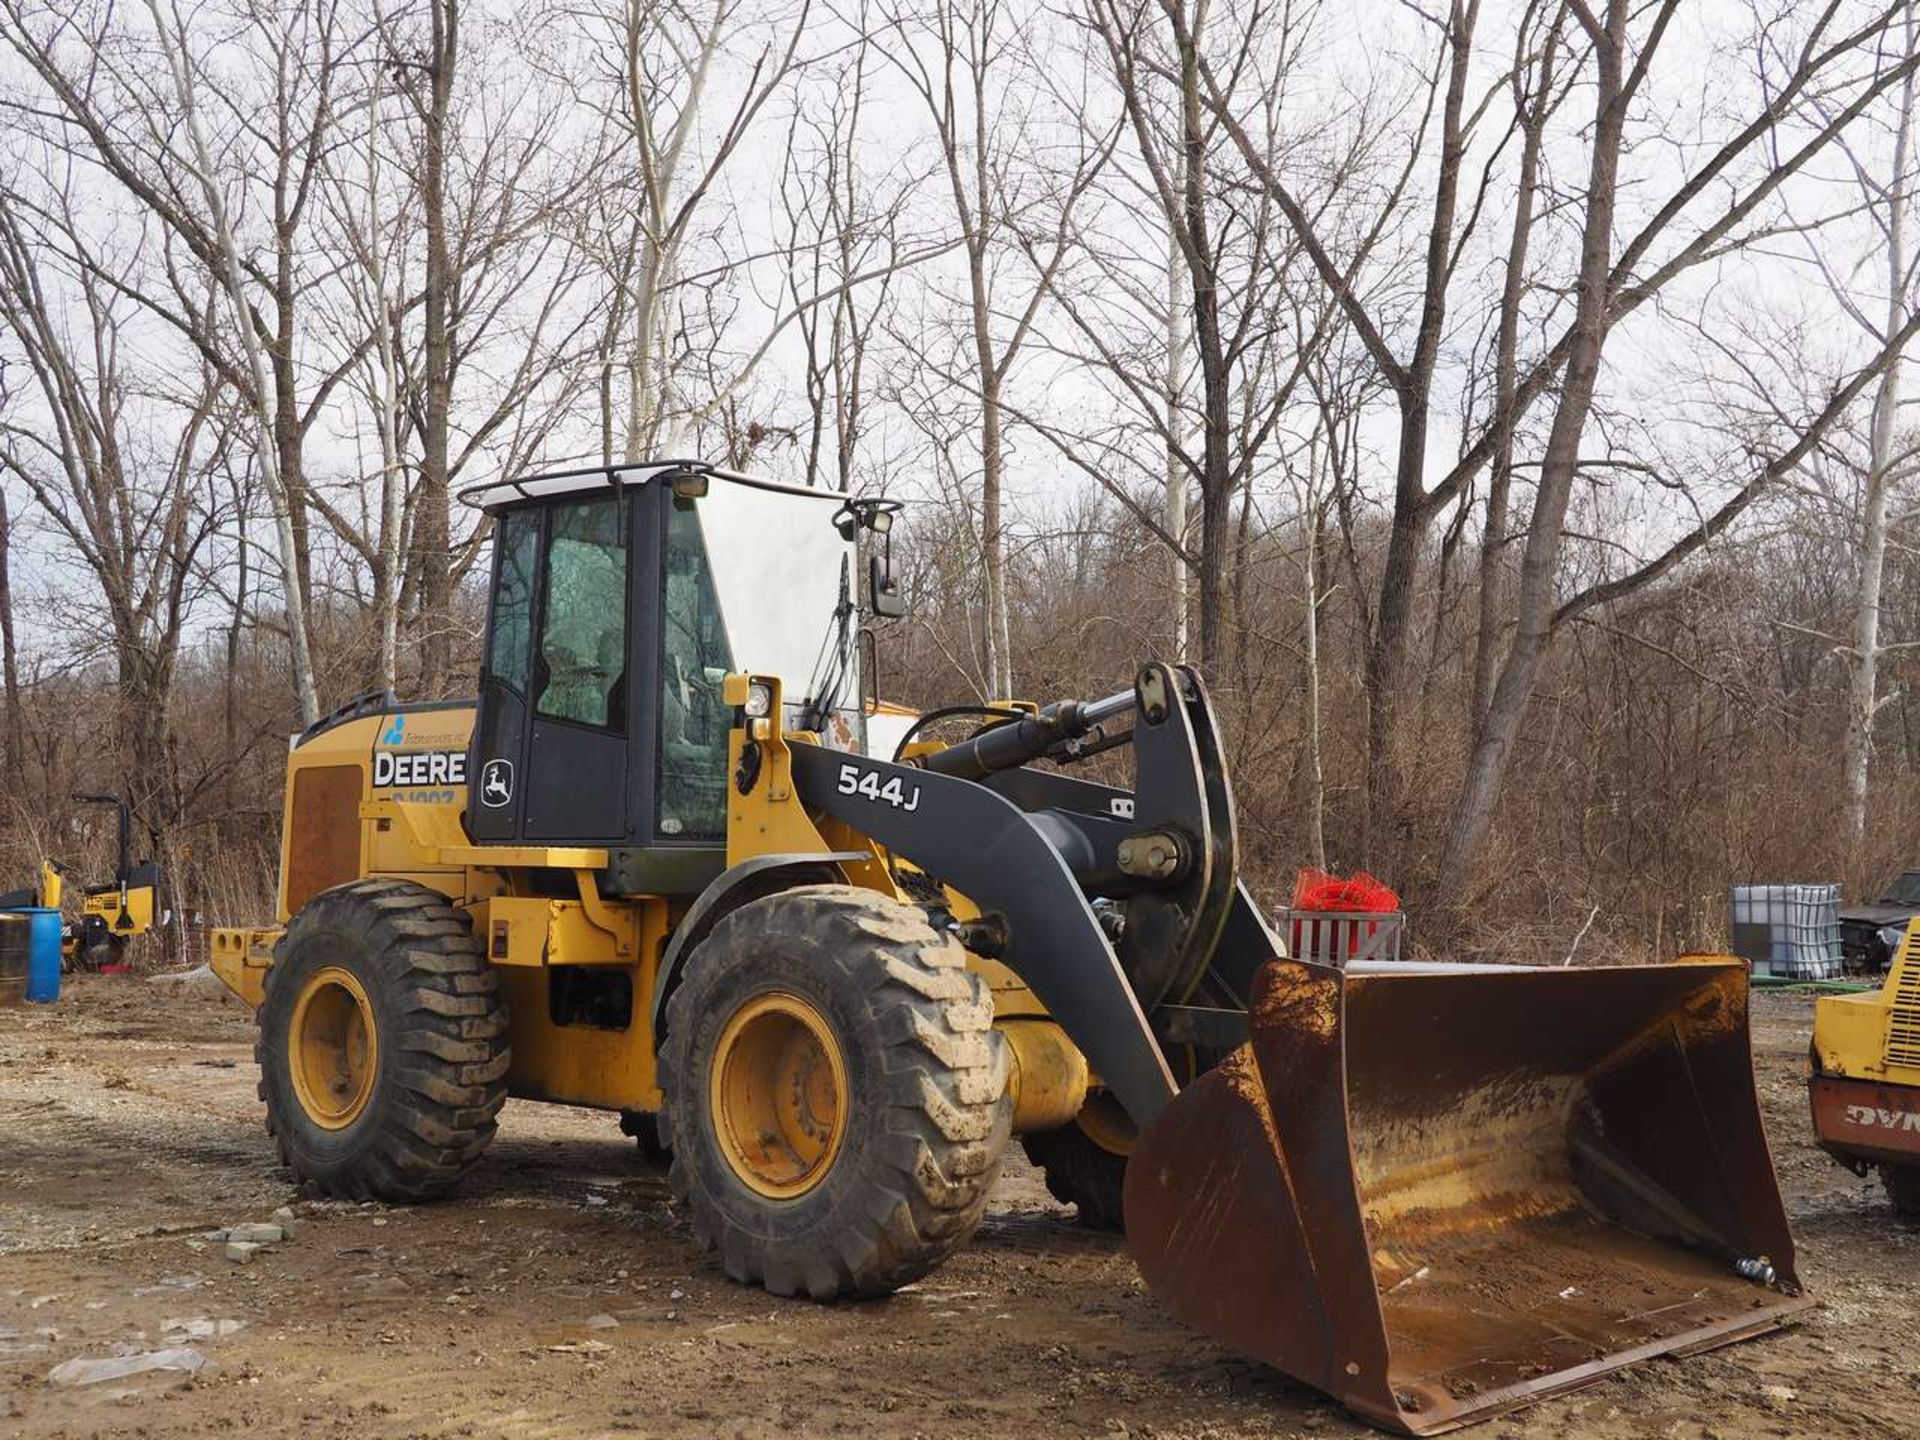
655	869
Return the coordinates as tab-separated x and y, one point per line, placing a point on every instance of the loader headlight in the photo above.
759	700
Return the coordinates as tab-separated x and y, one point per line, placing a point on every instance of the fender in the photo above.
749	880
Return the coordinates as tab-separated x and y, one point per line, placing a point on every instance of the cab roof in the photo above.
497	494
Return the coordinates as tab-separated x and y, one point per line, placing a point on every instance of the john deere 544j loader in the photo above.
653	870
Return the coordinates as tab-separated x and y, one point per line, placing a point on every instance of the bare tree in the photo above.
226	248
672	133
509	314
129	102
428	84
1537	92
13	740
1725	199
1621	65
1885	187
374	225
959	56
1227	310
122	497
846	218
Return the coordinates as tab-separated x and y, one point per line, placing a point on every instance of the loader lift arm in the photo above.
1034	849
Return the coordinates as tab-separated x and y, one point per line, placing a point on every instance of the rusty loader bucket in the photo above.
1439	1192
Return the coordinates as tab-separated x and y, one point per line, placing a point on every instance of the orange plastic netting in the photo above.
1358	892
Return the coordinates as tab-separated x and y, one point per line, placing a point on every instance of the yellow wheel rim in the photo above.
778	1095
333	1049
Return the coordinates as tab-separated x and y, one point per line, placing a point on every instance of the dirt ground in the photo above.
561	1295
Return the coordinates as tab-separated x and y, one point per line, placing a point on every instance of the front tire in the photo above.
383	1043
836	1098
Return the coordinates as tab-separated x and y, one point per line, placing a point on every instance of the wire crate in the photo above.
1787	931
1336	937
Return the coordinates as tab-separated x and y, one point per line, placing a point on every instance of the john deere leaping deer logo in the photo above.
496	783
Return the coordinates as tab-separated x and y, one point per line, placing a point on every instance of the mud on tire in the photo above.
440	1042
926	1110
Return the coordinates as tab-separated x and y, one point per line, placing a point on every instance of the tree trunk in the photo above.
644	379
1316	778
1493	536
1385	657
1863	697
1539	571
146	699
230	713
995	628
1174	516
386	583
430	525
1216	477
288	441
999	660
1383	673
13	752
1863	700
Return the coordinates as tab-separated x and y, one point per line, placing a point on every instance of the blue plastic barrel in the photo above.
43	955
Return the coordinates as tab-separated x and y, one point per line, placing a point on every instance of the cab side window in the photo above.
695	658
510	638
583	625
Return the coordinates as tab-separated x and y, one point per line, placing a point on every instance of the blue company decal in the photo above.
426	774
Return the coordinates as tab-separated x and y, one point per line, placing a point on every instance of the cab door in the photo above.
576	778
497	757
550	748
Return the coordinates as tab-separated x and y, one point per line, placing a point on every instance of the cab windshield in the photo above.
783	577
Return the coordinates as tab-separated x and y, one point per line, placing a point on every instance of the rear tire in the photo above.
836	1100
1080	1173
1903	1189
1084	1162
383	1043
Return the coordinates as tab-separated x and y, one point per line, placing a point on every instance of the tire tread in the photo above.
449	1083
943	1076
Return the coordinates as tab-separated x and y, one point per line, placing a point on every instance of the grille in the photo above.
1903	1018
323	836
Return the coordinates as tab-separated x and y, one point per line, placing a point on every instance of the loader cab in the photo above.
620	599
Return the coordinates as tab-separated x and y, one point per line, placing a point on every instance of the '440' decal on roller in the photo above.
892	792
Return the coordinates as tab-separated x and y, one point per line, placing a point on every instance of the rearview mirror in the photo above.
883	590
